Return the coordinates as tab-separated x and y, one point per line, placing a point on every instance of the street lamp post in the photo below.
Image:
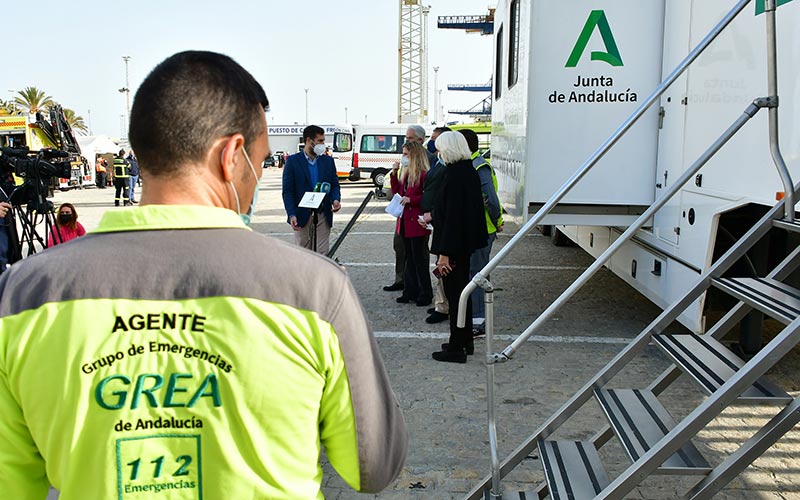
306	105
345	114
127	91
436	95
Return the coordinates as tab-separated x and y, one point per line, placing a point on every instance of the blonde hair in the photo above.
452	147
417	163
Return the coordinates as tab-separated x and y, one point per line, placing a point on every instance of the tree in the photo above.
75	121
8	107
32	100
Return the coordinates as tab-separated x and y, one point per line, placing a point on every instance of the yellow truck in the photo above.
36	132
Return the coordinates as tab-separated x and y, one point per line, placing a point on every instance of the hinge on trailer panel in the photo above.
685	101
677	230
661	113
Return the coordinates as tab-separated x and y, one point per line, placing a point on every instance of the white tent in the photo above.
93	145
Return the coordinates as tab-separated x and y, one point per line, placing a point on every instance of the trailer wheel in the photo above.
379	176
559	239
545	230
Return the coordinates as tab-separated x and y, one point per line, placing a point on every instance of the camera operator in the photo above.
6	219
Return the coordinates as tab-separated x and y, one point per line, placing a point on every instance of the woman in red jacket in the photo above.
408	184
68	226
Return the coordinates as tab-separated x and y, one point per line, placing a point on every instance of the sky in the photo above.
344	52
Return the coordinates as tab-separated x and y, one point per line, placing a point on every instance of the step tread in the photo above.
769	296
711	364
640	421
785	224
573	469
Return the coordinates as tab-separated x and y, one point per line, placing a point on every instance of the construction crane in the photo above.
473	24
412	96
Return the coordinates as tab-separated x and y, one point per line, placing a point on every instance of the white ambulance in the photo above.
377	147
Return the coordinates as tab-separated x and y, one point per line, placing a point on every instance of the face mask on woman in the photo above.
404	161
64	218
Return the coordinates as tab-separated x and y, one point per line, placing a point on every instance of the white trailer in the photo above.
568	73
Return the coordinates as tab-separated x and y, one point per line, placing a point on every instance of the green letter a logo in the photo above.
597	18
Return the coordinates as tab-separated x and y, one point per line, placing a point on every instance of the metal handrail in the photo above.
480	279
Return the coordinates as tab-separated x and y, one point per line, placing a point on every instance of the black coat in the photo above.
459	221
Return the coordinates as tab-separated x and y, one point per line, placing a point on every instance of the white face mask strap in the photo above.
250	163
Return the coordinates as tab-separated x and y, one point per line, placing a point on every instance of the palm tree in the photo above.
75	121
33	100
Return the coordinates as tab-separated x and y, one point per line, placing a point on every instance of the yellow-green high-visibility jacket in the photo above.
216	369
492	207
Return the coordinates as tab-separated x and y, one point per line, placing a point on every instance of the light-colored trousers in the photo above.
303	237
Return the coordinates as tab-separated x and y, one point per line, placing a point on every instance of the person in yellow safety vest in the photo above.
494	225
121	177
216	373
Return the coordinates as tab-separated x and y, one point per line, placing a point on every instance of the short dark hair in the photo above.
441	130
471	137
121	153
188	101
311	132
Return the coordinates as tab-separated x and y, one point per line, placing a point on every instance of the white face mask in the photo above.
319	149
404	161
246	217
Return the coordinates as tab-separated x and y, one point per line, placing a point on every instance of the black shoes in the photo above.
470	348
424	302
458	356
394	287
431	310
477	333
404	300
436	317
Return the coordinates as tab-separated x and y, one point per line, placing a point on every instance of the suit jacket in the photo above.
412	211
433	181
297	181
459	223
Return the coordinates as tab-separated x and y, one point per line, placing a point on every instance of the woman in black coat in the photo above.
459	228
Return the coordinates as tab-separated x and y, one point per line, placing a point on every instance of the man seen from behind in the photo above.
219	373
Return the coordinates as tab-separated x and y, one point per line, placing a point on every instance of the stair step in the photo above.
513	495
573	469
776	299
785	224
711	364
640	421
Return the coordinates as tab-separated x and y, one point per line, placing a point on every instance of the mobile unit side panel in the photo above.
578	99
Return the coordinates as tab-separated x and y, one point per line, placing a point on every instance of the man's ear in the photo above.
229	151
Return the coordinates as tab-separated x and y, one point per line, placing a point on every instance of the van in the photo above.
377	147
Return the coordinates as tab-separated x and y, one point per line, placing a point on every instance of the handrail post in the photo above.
772	96
490	386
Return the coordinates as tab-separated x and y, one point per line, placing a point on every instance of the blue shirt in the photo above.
312	169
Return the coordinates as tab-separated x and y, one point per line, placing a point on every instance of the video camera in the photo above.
36	169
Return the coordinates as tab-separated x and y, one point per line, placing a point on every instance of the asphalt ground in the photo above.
445	404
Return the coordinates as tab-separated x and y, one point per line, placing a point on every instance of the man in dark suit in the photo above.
303	172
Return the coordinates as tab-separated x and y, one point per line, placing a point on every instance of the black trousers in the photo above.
399	258
101	180
417	273
454	284
121	194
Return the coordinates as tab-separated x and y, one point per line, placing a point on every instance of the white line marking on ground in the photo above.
509	267
555	339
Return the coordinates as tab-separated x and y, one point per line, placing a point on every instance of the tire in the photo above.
379	176
560	239
545	230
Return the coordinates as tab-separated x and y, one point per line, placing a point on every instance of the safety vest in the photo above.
121	168
215	386
479	161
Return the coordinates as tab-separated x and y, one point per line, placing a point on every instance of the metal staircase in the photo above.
654	442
